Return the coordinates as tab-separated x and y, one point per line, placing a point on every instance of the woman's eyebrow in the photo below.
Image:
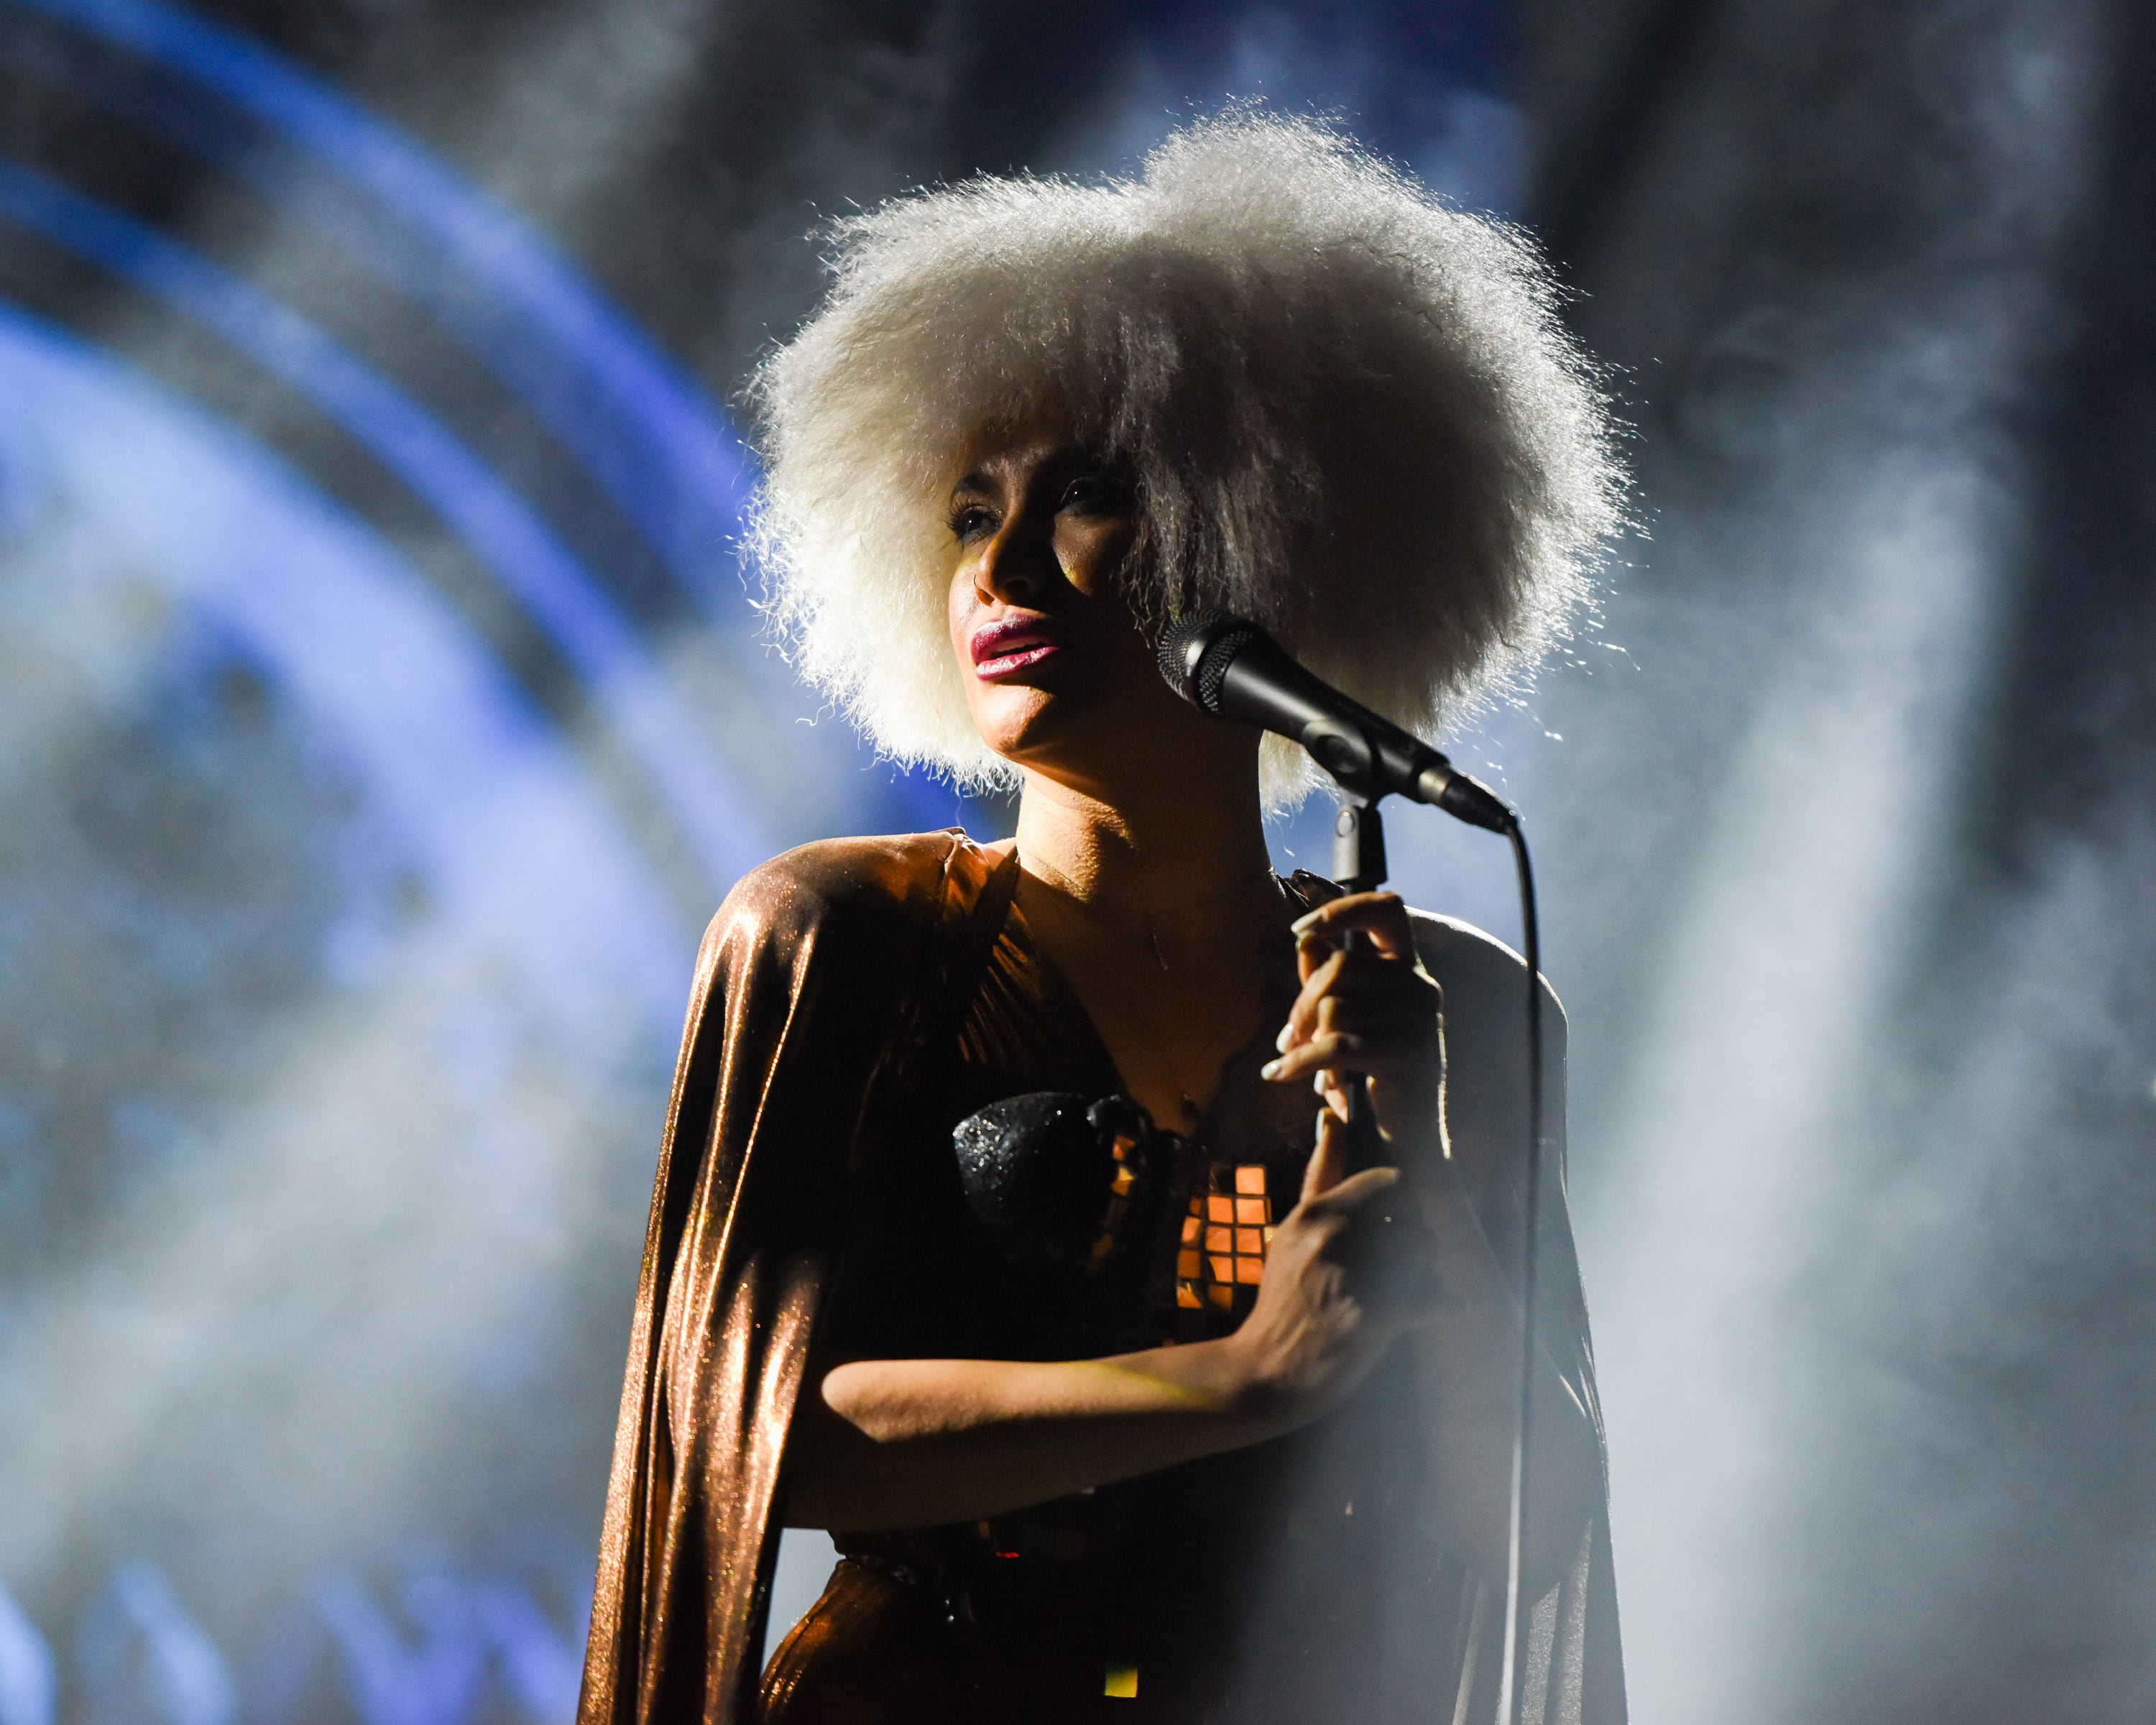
1052	467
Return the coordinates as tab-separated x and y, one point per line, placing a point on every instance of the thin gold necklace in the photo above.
1157	1045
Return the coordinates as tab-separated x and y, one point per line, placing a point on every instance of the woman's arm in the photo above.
919	1442
913	1443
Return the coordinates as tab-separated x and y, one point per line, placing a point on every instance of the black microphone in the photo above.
1229	667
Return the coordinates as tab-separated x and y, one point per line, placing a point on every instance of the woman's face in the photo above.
1059	676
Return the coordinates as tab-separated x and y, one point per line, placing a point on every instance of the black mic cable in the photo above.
1509	1696
1229	667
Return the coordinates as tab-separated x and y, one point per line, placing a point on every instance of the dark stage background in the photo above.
381	714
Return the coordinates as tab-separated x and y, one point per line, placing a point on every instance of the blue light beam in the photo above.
726	835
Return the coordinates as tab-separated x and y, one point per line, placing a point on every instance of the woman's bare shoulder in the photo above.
854	883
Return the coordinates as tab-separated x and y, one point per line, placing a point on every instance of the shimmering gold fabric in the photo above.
808	983
854	1000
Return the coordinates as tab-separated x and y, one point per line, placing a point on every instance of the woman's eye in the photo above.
970	521
1095	494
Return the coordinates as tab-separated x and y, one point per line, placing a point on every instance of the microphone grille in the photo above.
1197	650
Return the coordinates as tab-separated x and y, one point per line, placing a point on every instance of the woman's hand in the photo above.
1367	1007
1330	1305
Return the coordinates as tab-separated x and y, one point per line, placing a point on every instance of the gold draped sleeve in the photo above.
817	975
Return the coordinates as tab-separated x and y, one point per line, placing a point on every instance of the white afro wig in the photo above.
1350	411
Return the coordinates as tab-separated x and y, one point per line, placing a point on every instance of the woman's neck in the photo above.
1189	850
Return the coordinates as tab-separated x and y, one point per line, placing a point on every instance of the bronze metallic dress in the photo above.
854	1001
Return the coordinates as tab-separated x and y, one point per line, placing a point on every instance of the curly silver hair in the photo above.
1350	410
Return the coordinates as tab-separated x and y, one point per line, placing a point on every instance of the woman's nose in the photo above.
1015	567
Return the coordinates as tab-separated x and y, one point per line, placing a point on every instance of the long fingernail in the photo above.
1280	1041
1270	1068
1307	920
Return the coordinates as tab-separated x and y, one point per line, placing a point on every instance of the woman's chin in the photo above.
1046	735
1017	719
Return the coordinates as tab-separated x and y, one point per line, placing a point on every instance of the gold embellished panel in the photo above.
1221	1258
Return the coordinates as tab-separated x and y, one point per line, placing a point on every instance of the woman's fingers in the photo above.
1328	1159
1335	1049
1391	1260
1359	985
1382	916
1317	983
1366	1006
1348	1196
1379	1054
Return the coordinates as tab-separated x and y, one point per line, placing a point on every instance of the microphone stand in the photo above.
1358	865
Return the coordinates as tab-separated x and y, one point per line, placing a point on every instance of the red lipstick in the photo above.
1011	646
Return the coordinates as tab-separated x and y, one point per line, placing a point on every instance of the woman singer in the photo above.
997	1230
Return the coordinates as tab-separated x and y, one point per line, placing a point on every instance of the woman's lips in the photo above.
1017	644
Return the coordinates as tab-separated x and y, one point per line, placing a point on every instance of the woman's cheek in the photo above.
957	615
993	715
1091	556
